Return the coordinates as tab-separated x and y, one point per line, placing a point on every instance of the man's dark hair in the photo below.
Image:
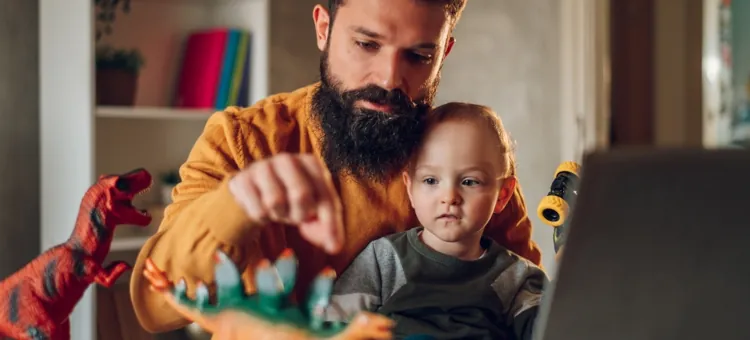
453	7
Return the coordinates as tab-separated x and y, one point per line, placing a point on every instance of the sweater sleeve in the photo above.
526	304
357	289
373	277
520	287
203	217
511	228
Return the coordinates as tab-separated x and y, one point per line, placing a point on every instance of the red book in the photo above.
201	68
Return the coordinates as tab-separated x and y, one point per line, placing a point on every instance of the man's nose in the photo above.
391	75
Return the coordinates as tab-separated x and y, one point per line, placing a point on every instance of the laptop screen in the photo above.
658	248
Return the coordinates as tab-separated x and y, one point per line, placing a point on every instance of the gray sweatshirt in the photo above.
430	293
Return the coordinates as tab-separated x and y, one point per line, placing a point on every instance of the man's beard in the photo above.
367	144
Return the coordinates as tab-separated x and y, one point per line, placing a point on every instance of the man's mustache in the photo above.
396	99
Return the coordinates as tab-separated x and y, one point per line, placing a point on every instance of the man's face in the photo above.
379	72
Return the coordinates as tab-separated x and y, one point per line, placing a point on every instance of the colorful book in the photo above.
239	69
243	98
200	72
227	68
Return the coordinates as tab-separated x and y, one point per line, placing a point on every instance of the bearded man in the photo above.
306	168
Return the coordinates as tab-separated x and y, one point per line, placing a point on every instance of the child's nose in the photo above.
451	197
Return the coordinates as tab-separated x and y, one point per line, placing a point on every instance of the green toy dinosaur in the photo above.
272	300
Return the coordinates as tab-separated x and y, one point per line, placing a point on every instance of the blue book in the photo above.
227	66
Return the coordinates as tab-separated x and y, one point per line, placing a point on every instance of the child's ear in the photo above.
407	182
507	188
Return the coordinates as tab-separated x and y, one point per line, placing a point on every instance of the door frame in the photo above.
584	77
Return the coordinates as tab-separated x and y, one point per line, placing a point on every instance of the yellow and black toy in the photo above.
554	209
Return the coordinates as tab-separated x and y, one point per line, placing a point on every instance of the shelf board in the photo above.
146	112
128	243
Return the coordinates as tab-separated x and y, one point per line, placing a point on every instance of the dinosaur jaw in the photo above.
133	215
128	186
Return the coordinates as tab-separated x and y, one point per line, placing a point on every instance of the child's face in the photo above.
457	181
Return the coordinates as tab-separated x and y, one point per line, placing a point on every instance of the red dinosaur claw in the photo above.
107	276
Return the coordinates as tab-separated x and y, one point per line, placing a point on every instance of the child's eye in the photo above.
470	182
429	181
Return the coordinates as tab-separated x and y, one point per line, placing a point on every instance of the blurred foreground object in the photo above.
269	313
657	249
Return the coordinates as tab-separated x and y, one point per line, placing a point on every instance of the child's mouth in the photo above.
448	217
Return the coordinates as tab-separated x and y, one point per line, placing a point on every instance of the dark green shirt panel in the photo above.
446	297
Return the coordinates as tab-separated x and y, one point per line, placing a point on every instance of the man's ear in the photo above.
508	187
449	46
322	20
407	182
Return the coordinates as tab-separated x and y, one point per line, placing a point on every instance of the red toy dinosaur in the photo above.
37	300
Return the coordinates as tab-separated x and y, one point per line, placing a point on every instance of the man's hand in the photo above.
294	189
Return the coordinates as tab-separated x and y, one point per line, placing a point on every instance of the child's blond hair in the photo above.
483	115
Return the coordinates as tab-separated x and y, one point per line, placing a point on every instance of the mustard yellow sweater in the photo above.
204	215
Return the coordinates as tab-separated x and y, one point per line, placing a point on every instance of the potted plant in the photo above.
168	181
117	69
117	75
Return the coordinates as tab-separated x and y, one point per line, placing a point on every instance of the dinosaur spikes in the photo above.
320	296
263	264
267	279
286	267
201	296
228	280
323	283
328	272
286	253
269	286
180	290
270	303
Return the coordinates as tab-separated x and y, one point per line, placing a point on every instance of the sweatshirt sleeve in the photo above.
526	303
511	228
367	283
202	218
357	289
520	287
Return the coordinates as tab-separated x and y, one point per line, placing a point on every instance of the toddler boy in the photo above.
443	279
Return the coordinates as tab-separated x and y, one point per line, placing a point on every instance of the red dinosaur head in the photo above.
119	191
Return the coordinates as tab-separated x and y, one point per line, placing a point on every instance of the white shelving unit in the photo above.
80	141
129	243
159	113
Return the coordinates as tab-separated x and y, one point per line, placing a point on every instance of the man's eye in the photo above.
367	45
419	58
